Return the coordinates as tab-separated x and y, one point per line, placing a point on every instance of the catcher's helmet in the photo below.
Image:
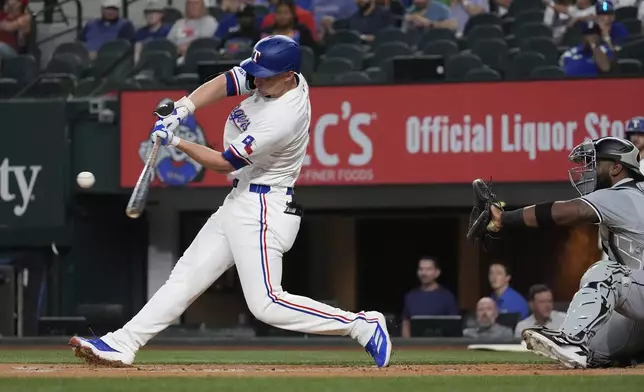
635	125
272	56
585	155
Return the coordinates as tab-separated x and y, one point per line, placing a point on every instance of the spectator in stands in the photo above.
556	10
229	22
613	33
108	27
430	299
425	14
245	35
15	24
303	16
396	9
543	312
507	299
367	20
155	28
196	23
591	57
463	10
328	11
286	24
486	325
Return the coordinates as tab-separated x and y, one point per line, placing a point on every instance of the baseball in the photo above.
85	179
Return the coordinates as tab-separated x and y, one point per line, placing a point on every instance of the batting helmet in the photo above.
585	155
272	56
635	125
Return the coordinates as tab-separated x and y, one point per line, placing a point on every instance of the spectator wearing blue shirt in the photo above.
425	14
155	28
108	27
590	58
507	299
613	33
430	299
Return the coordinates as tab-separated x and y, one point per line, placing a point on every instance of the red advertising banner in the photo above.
450	133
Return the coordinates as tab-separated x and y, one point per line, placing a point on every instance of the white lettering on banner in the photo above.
599	126
25	186
356	128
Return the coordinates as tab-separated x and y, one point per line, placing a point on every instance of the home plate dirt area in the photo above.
75	371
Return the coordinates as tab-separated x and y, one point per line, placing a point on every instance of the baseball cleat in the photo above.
555	345
97	352
379	346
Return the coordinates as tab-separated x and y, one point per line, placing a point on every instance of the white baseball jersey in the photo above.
266	138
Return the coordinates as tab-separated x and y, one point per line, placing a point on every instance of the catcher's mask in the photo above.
584	176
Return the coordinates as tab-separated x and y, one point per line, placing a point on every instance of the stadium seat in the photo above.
388	51
390	34
516	7
543	45
523	64
74	47
436	34
376	75
188	81
323	79
630	67
532	30
625	13
343	36
66	63
482	75
53	86
335	66
204	43
159	63
493	53
480	20
506	24
353	77
633	26
526	17
8	88
307	62
160	44
456	67
484	32
442	47
633	50
352	52
171	15
195	56
22	68
547	72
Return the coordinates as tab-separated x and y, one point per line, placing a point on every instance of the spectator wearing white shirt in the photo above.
195	24
541	304
463	10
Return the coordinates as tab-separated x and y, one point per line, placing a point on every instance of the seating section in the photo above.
517	46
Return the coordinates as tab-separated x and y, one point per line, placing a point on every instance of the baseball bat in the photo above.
139	196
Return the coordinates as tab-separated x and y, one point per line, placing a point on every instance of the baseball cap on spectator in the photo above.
604	8
589	28
111	4
153	6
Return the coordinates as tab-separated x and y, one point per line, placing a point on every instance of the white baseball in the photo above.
85	179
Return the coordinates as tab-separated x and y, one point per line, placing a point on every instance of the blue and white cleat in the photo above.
97	352
379	346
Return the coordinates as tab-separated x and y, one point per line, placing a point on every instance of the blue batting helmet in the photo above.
273	55
635	125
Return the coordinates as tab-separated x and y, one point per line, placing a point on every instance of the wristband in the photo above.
187	103
175	140
543	213
513	218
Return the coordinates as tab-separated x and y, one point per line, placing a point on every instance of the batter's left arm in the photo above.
207	157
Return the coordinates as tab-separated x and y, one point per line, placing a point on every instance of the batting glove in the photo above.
168	138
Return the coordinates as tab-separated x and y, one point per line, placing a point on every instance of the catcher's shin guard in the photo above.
594	302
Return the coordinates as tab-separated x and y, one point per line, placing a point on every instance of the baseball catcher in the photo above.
604	325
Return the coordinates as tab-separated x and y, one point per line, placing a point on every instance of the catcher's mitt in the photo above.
480	225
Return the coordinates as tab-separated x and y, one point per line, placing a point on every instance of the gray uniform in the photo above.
607	313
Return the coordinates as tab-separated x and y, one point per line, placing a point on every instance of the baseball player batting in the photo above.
605	321
265	141
635	134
